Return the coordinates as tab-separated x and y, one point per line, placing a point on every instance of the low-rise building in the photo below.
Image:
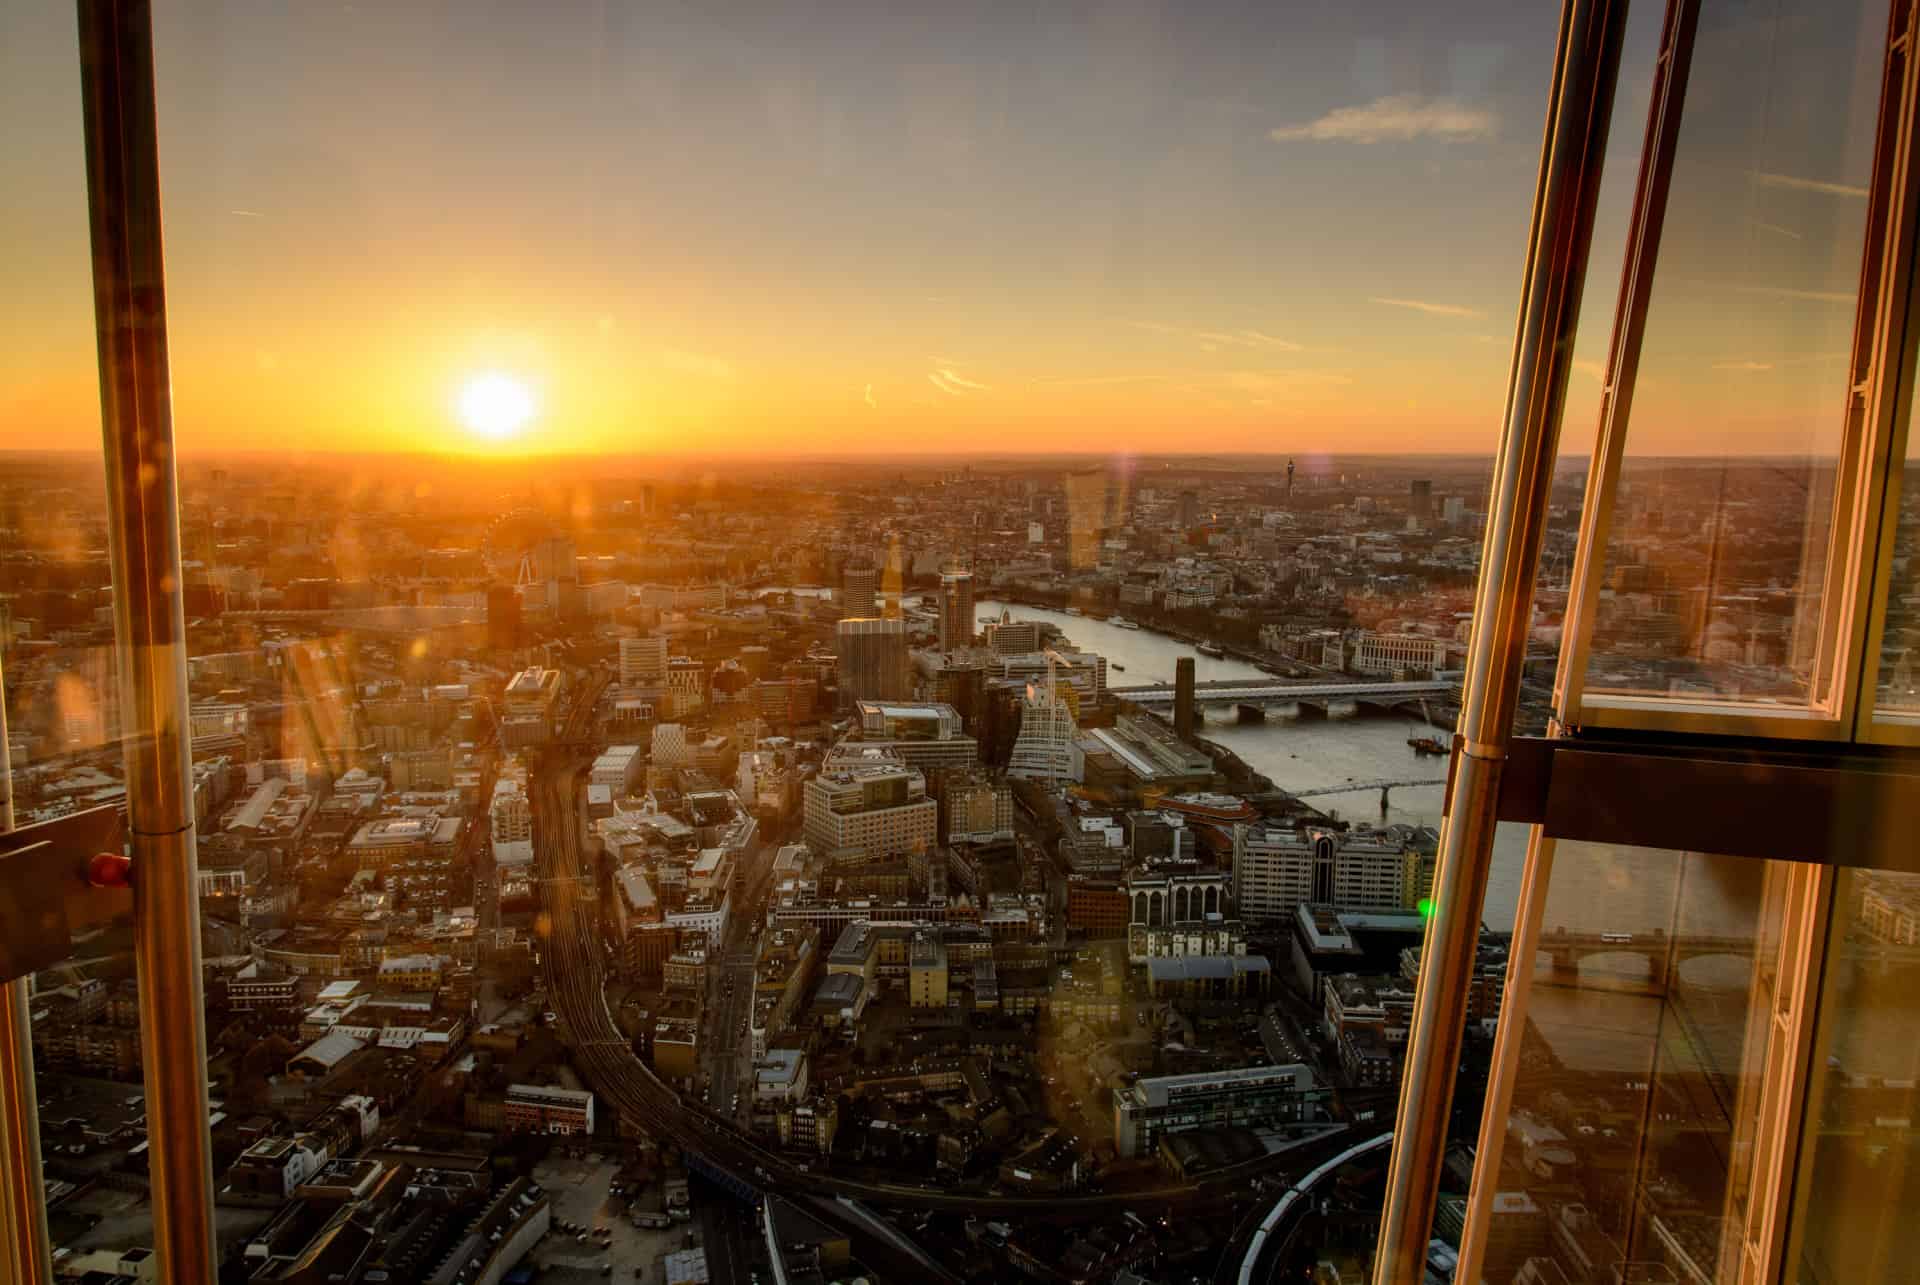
538	1108
1249	1097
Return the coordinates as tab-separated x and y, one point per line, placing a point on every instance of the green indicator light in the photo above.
1425	907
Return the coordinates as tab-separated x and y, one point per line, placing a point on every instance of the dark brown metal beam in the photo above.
1729	798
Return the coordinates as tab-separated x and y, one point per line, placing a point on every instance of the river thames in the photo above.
1300	755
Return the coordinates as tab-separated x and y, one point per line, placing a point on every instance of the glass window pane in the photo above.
60	682
1860	1170
1641	1068
1716	562
1897	696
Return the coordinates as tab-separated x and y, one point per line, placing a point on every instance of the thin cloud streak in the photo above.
1431	309
1397	118
954	385
1268	382
961	381
1214	339
1743	365
1796	183
1096	381
870	402
1786	292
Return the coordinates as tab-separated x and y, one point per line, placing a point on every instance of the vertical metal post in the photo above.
24	1245
1579	106
130	316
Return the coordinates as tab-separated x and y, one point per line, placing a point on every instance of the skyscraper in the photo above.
859	591
956	609
503	618
1420	500
874	664
1044	749
554	558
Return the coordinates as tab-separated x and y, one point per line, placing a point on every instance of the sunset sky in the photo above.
823	227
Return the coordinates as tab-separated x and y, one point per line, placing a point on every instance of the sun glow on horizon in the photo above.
495	406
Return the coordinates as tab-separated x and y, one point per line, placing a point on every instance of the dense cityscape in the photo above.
755	878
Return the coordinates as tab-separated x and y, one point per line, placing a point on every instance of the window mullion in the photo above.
1623	359
1885	367
1791	1018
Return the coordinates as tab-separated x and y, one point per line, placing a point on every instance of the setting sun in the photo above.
496	406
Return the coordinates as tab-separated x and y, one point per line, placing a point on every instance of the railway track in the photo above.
575	980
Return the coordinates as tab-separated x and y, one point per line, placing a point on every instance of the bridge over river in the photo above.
1253	698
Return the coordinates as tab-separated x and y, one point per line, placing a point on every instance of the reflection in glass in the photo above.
1898	696
64	722
1640	1069
1716	563
1853	1207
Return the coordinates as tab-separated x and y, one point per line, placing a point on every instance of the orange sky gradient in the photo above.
873	232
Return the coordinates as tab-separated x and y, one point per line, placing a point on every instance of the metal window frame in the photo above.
143	515
1755	1244
25	1245
1737	777
1854	552
1573	147
1895	364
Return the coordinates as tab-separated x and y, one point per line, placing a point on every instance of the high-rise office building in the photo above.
860	591
1420	499
503	618
960	681
956	609
1043	751
875	810
643	661
555	559
893	579
874	664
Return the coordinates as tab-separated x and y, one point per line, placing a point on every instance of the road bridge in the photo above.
1565	950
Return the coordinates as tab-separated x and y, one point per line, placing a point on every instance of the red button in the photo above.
110	870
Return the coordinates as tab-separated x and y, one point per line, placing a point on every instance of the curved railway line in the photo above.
570	955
